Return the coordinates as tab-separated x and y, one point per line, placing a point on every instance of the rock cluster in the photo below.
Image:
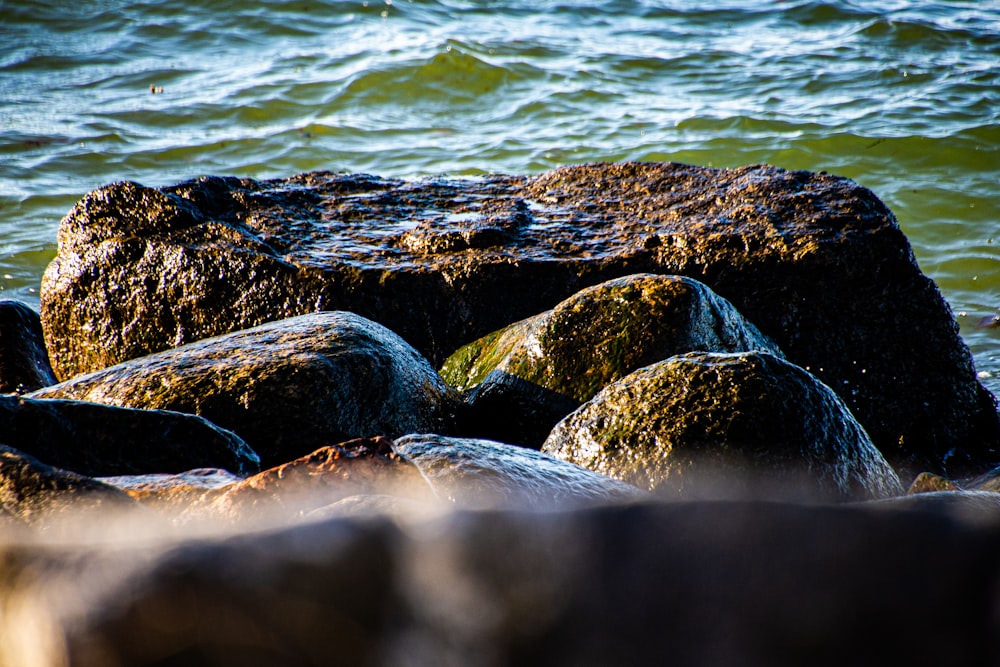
232	356
816	262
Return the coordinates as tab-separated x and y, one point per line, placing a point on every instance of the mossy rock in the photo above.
523	379
705	424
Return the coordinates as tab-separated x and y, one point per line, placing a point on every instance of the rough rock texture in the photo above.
286	387
685	584
24	362
523	379
481	474
818	263
100	440
39	494
729	425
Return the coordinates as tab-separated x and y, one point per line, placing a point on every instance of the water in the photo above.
902	96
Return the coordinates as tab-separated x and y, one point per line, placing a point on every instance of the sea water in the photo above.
903	96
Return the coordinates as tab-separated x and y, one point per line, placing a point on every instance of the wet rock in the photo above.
477	474
172	492
358	468
725	425
100	440
927	482
818	263
24	362
523	379
286	387
715	583
361	466
39	494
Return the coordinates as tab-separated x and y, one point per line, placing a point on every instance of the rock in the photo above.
523	379
286	387
24	362
172	492
478	474
100	440
362	467
927	482
817	262
714	583
725	425
39	494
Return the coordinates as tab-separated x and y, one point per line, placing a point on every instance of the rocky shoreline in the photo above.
330	349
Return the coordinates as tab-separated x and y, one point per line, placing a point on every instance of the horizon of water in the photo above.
901	96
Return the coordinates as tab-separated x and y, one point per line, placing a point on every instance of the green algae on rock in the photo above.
704	424
523	379
287	387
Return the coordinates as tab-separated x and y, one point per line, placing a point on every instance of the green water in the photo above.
901	96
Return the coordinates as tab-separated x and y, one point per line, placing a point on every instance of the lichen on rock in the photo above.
522	379
704	424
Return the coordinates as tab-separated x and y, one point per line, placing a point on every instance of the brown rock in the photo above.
365	467
24	362
286	387
330	474
101	440
927	482
818	263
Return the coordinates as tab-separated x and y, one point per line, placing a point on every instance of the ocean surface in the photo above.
901	96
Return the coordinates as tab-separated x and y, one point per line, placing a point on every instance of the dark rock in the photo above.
100	440
481	474
24	362
286	387
689	584
818	263
523	379
39	494
725	425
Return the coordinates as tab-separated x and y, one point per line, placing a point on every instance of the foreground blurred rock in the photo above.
24	361
689	584
100	440
286	387
523	379
725	425
818	263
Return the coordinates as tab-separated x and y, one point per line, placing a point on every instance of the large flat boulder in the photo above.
817	262
287	387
